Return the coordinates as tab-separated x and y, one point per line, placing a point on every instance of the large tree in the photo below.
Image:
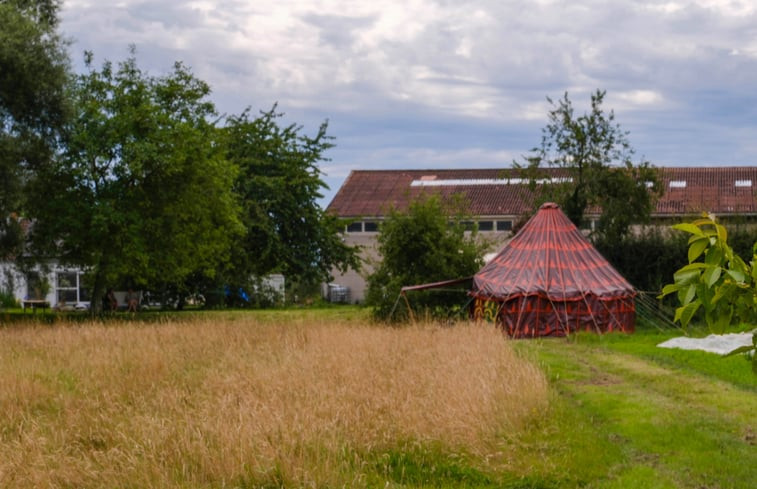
597	168
426	243
141	195
34	71
278	185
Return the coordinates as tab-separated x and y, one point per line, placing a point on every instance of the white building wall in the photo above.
17	282
367	241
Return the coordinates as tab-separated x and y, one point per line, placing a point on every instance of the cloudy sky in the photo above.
455	83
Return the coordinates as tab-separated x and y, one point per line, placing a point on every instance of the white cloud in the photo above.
479	66
637	98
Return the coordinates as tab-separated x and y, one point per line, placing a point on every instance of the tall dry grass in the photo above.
218	404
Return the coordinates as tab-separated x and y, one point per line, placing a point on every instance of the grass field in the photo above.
245	400
322	398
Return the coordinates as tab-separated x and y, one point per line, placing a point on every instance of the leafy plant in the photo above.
716	280
425	243
7	299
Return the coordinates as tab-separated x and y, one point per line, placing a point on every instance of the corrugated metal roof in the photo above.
497	192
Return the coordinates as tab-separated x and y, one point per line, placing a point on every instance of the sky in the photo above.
435	84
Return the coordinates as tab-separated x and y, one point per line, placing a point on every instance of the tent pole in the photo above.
565	325
394	307
409	309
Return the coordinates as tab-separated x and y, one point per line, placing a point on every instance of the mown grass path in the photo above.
643	424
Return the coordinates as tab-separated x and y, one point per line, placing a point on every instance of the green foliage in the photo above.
418	465
278	186
33	104
8	299
595	157
422	246
716	280
142	193
648	258
647	420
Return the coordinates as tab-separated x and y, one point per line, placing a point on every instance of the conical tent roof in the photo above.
549	258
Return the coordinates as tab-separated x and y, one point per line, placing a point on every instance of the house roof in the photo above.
500	192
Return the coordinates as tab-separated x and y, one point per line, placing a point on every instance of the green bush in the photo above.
7	299
427	243
647	259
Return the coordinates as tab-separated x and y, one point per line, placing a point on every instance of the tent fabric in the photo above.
550	281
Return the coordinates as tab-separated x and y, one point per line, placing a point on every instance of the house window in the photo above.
355	227
467	225
69	288
504	225
485	226
370	226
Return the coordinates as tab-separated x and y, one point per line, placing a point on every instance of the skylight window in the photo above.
454	182
678	184
742	183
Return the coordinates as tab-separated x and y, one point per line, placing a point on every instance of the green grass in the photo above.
735	369
667	418
623	413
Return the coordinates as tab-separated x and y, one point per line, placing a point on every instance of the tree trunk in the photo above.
98	291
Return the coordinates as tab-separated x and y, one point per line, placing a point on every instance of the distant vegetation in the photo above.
137	179
426	243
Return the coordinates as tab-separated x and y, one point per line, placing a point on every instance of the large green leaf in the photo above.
722	233
697	248
737	275
711	275
689	228
687	294
741	349
714	256
688	274
668	289
685	313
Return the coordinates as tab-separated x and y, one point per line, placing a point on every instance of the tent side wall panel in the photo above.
535	316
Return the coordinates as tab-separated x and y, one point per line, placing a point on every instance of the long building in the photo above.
497	199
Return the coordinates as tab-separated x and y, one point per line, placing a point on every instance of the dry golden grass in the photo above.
218	404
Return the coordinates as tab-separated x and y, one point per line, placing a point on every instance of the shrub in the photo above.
7	299
422	245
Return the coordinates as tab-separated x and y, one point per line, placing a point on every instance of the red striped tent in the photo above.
550	281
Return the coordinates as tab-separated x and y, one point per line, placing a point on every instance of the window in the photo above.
355	227
467	225
504	225
67	289
370	226
485	226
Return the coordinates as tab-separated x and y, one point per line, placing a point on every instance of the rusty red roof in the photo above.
500	192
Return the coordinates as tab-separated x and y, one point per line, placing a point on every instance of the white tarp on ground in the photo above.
715	343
